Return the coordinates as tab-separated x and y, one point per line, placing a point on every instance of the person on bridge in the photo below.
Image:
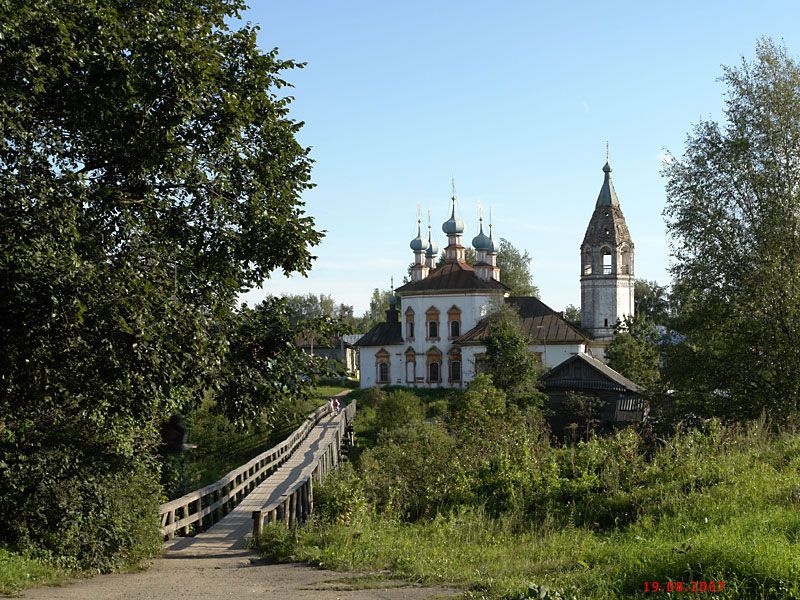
336	406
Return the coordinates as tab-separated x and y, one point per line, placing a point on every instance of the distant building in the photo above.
337	349
436	338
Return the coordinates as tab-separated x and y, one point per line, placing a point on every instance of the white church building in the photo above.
435	339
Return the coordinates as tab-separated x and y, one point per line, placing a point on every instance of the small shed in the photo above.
583	388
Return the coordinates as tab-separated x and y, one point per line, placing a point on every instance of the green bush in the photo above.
340	498
398	409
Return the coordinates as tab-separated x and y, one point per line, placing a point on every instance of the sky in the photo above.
515	101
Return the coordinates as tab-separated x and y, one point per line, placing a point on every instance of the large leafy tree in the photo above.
734	215
651	301
634	351
513	369
515	269
149	172
304	307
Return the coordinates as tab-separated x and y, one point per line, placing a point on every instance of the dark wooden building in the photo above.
583	387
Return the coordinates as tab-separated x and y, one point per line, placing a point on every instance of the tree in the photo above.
149	172
650	300
515	269
634	351
734	213
513	369
378	305
304	307
573	314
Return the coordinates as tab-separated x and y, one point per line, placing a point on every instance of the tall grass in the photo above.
592	521
18	572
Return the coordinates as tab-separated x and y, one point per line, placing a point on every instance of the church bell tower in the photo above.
607	275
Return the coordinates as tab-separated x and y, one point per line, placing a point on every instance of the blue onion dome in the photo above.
419	244
482	241
453	225
491	248
433	247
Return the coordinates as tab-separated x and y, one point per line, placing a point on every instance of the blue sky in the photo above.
516	101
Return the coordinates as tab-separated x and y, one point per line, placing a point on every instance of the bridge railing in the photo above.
209	504
297	503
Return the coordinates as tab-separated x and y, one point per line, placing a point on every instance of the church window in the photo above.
411	366
409	324
455	370
433	358
587	261
432	323
606	261
382	364
625	257
454	321
480	363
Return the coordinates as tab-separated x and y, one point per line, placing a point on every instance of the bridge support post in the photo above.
258	525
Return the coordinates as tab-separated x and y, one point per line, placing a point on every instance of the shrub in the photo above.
399	408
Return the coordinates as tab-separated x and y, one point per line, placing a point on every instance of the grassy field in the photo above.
721	505
18	573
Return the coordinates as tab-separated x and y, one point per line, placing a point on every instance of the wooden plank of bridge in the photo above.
232	531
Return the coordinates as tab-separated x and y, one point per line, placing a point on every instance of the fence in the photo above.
297	503
209	504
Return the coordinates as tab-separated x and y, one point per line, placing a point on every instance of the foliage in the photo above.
733	212
513	369
412	472
634	351
18	572
400	408
378	305
599	519
573	314
149	172
310	307
586	409
340	497
651	301
266	372
515	269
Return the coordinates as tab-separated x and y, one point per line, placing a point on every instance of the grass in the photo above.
18	573
716	505
325	391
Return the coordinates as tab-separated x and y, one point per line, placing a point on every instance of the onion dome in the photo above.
419	244
433	247
453	225
482	241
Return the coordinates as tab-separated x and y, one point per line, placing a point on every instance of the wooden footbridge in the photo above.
275	486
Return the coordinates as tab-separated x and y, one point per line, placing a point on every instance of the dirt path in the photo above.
233	574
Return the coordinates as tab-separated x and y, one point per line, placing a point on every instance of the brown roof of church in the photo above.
539	322
452	276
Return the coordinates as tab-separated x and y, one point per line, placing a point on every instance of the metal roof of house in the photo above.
451	276
562	376
538	321
383	334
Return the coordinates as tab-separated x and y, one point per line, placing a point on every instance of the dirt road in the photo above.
233	574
